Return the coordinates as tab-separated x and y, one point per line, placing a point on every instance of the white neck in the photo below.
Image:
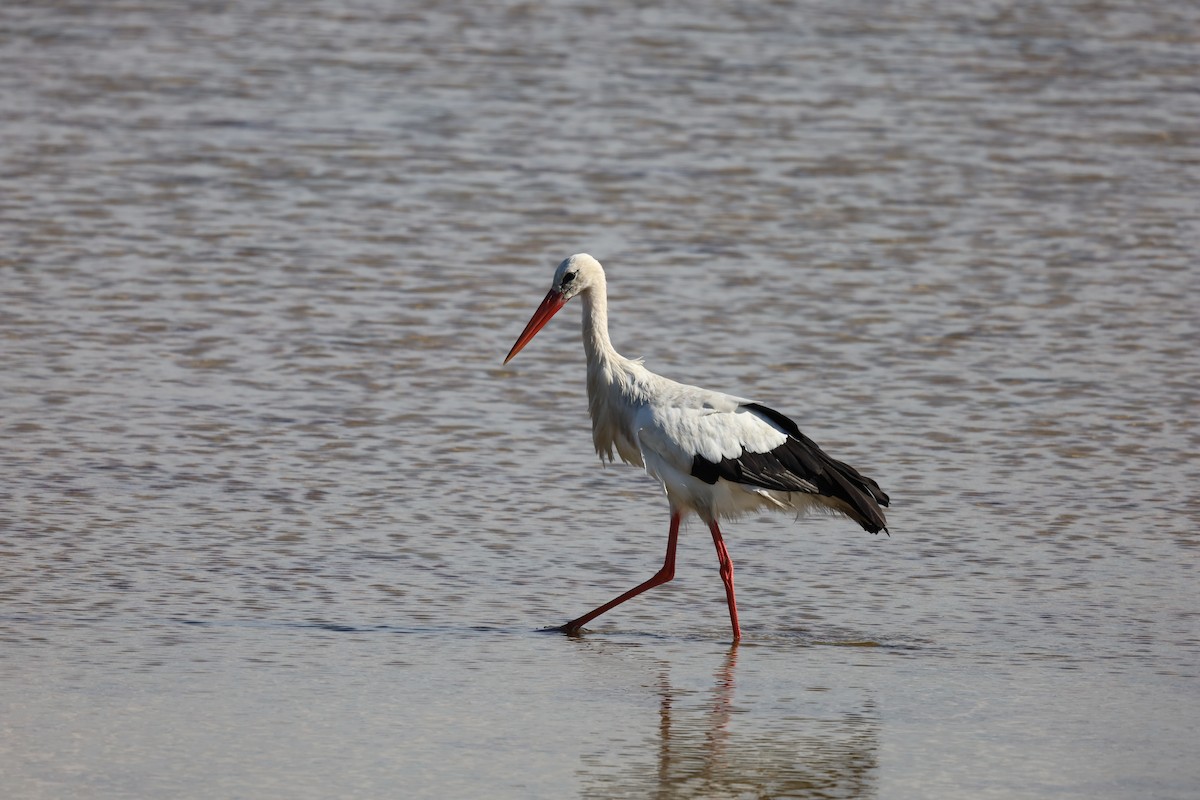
595	323
612	400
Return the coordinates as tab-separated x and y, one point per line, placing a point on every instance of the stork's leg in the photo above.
662	576
726	577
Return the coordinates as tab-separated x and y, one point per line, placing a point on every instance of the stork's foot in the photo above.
570	629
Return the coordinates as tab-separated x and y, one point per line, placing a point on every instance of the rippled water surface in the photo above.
275	521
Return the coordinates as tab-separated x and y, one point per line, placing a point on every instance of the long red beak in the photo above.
549	307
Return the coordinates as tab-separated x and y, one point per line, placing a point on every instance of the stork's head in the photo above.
574	275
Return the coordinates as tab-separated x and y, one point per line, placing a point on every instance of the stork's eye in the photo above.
567	278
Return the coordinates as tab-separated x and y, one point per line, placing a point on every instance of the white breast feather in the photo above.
613	403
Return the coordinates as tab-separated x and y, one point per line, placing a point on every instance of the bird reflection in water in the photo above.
713	748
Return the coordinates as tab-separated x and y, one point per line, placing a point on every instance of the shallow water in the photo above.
276	522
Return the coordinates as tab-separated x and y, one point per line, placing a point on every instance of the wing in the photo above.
763	448
685	423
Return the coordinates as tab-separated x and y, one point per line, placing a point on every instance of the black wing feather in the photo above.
800	465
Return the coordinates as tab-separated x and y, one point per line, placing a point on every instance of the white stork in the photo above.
717	455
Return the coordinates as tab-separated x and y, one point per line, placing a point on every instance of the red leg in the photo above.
662	576
726	577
